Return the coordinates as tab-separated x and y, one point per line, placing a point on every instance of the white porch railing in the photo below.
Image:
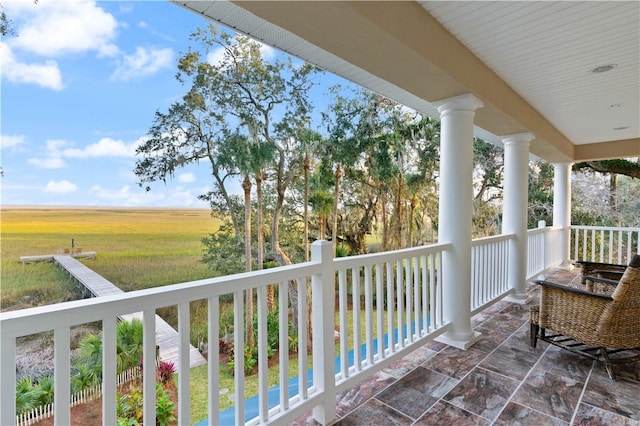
489	266
396	302
407	282
543	249
604	244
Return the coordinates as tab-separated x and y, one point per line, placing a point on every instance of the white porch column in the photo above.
456	194
562	207
514	211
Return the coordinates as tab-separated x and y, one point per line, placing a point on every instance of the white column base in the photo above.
460	344
566	266
524	299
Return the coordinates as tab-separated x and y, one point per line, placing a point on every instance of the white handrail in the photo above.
604	243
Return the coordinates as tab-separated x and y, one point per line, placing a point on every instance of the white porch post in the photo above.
514	211
456	193
562	207
323	321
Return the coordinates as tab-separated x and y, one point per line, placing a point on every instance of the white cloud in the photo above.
126	197
134	196
267	52
216	57
57	150
105	147
104	193
186	178
182	197
60	187
54	145
53	28
11	141
48	163
142	63
45	74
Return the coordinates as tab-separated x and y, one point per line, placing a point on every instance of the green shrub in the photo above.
84	378
130	407
342	250
46	386
90	353
165	408
27	395
128	344
293	342
273	331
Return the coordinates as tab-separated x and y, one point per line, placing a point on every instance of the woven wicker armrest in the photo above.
602	280
601	265
588	268
609	274
600	284
573	290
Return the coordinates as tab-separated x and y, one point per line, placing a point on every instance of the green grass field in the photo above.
136	248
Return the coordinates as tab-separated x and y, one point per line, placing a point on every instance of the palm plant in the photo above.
46	386
128	344
90	353
83	378
27	395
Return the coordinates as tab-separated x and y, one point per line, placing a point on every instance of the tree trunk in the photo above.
278	254
321	222
385	227
336	199
227	199
412	209
613	192
271	290
307	163
397	228
246	186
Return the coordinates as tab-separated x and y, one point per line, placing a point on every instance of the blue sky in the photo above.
80	85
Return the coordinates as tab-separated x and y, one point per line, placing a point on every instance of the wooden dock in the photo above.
166	336
49	257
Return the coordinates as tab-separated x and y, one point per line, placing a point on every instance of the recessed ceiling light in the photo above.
604	68
615	105
621	128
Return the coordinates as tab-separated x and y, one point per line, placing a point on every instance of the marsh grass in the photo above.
136	249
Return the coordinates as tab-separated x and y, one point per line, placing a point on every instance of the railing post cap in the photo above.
321	249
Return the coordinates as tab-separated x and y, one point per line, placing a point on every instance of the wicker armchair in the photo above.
603	270
602	326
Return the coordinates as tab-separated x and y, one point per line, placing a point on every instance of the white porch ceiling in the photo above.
529	61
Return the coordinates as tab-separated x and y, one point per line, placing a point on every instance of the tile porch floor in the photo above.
500	380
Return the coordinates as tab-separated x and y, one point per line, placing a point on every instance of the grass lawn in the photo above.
199	391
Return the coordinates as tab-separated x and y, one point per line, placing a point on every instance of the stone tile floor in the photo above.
500	380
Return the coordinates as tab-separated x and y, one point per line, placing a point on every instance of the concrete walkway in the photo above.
166	336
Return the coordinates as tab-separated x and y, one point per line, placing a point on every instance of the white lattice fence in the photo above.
42	412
